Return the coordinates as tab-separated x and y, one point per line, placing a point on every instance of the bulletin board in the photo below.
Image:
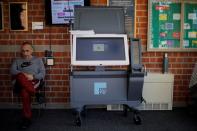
172	25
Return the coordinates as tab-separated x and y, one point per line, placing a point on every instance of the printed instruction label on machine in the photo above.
100	88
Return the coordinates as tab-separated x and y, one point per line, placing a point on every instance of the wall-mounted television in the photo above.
101	19
62	11
100	50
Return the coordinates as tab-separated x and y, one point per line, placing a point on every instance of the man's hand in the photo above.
29	76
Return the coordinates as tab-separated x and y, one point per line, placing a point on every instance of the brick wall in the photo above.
180	63
57	79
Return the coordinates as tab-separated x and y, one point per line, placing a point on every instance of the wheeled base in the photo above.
104	88
79	112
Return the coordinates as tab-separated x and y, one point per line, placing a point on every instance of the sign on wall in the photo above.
129	6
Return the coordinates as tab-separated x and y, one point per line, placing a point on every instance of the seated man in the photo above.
26	72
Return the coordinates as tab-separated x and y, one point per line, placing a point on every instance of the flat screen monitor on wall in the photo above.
103	20
61	11
100	50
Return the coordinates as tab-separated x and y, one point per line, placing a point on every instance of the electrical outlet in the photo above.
50	61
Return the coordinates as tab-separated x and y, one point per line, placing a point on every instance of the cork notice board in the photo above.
172	25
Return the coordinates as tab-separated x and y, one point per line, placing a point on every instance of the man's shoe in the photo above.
25	124
40	98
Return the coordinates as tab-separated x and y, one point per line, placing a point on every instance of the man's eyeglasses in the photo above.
25	50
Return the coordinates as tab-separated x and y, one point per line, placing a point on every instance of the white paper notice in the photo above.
186	26
169	26
186	43
194	21
176	16
163	44
37	25
191	34
82	32
192	16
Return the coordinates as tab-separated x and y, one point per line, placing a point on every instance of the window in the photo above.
18	16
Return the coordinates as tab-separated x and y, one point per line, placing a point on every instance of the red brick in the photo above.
181	64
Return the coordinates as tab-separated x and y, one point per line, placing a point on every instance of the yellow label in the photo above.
162	16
